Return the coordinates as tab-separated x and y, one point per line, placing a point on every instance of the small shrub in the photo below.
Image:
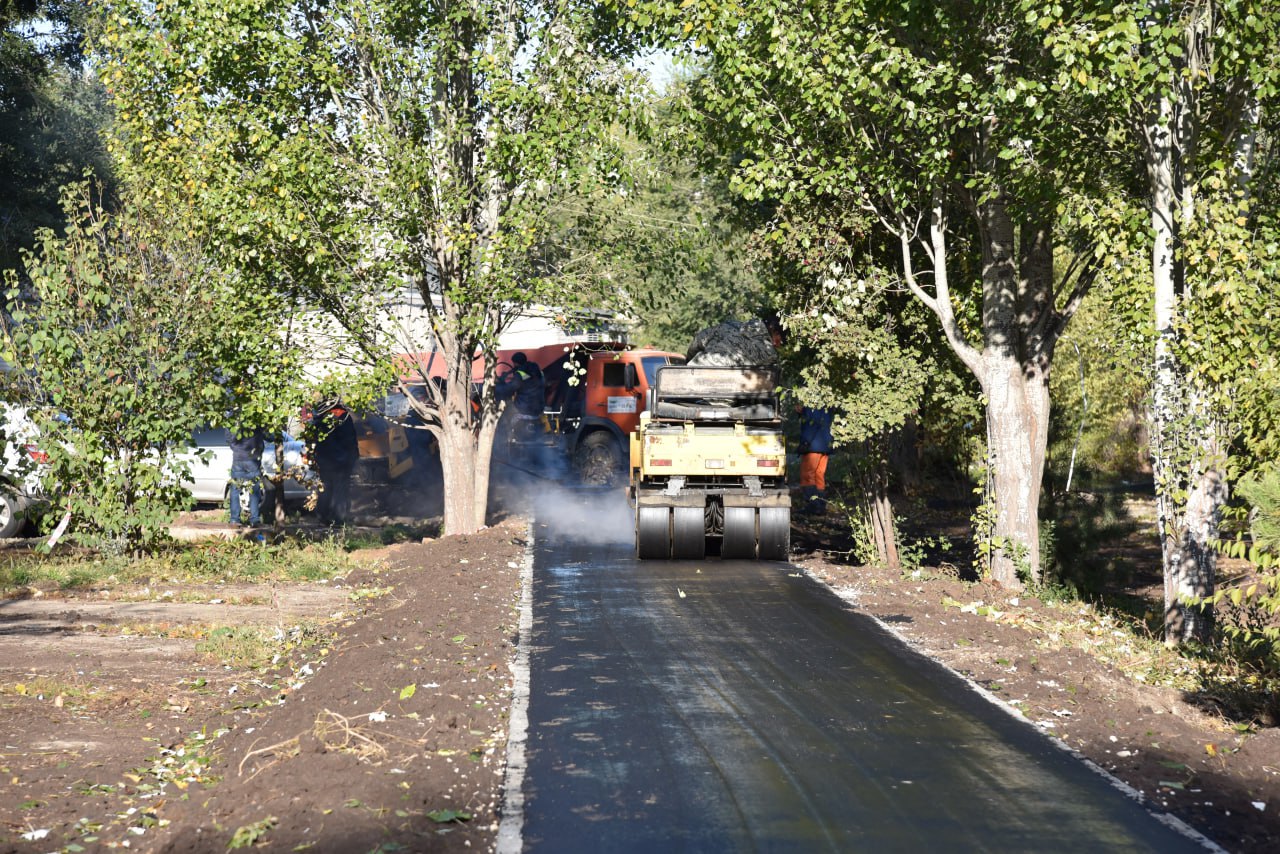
1262	492
864	552
1240	670
1075	534
916	552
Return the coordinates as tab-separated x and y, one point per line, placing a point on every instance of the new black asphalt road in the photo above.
740	706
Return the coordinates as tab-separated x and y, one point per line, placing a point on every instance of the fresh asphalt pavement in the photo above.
740	706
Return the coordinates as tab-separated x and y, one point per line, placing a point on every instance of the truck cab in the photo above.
613	387
594	397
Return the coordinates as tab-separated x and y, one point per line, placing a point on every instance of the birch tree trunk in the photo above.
1187	445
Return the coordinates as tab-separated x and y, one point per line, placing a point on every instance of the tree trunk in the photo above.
464	469
278	510
458	469
1014	375
883	529
1021	324
876	506
1192	562
1017	419
1186	452
1164	391
483	469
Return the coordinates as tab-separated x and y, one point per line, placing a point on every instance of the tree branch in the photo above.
940	302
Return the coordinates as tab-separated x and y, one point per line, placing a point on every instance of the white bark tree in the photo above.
946	124
1188	77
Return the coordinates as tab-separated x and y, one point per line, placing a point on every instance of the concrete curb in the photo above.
511	828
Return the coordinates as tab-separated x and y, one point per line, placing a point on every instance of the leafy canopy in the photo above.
125	340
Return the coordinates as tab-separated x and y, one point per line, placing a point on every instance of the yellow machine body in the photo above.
702	450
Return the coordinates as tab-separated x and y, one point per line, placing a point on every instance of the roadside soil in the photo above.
387	732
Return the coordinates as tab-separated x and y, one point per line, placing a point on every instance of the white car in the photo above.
20	480
211	477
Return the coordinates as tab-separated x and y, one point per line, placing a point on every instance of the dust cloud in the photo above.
563	510
593	516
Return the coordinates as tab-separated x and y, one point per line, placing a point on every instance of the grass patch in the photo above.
74	695
1124	642
204	562
388	535
259	647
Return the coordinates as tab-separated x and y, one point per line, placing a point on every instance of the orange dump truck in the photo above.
595	394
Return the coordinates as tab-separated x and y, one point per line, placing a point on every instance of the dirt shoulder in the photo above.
388	735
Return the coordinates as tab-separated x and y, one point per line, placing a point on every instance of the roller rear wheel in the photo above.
775	533
688	541
653	533
739	533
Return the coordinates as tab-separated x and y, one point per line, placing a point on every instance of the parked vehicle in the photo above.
20	492
211	476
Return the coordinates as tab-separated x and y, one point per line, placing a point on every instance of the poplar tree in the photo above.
380	162
944	124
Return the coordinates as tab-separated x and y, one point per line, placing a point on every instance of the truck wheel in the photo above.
598	460
11	517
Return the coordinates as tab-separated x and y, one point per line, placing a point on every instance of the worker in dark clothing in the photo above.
815	447
246	472
527	425
529	390
525	386
332	434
